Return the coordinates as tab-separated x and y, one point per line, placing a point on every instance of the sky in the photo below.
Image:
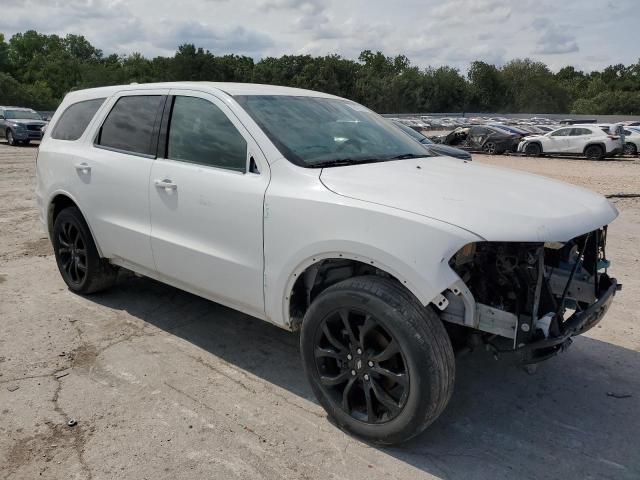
588	34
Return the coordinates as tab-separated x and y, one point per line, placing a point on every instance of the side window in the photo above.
561	133
200	132
75	119
130	124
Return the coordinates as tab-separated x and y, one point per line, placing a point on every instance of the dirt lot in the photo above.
163	384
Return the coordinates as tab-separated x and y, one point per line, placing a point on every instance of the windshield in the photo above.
313	131
412	133
22	115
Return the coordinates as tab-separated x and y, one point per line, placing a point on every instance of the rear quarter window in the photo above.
75	119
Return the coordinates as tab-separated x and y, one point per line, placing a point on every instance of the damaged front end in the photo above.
530	297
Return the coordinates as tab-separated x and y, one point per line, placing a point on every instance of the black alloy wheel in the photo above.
361	367
72	253
77	257
379	362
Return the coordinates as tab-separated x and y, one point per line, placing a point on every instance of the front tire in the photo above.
380	363
11	140
533	150
77	257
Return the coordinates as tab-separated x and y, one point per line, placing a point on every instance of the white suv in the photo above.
313	213
591	141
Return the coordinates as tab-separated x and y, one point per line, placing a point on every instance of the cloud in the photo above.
553	39
218	40
429	32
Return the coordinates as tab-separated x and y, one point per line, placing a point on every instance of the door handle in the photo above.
83	167
167	184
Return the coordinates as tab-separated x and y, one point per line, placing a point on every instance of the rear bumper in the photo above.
575	325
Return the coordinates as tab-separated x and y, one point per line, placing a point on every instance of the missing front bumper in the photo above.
576	324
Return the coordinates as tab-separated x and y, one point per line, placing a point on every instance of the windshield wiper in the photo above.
405	156
341	162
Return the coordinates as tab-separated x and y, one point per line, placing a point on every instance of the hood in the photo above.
494	203
26	121
448	151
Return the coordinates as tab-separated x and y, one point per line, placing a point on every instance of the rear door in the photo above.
206	193
578	139
112	180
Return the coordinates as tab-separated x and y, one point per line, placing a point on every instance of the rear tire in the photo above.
594	152
77	257
380	363
630	149
533	149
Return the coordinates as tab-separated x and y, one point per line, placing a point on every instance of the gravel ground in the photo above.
163	384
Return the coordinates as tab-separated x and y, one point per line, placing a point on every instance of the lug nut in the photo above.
349	357
366	377
370	363
353	372
359	351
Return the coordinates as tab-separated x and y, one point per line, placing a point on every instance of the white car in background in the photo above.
313	213
588	140
632	140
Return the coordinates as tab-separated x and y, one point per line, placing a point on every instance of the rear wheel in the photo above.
77	257
533	149
379	362
630	148
490	148
594	152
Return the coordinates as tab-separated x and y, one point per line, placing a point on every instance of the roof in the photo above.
25	109
229	88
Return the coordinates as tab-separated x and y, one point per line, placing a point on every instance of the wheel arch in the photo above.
59	201
318	272
597	144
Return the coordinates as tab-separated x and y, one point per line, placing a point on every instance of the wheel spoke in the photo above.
81	266
384	398
332	339
75	269
345	395
390	350
335	380
326	352
63	250
344	316
66	265
369	324
369	402
399	378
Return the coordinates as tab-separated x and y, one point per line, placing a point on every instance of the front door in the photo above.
558	141
207	204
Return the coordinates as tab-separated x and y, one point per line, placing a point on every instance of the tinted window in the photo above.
75	119
580	131
129	125
22	115
561	133
201	133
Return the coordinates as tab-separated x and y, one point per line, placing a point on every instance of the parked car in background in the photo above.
632	140
313	213
588	140
20	125
434	148
483	138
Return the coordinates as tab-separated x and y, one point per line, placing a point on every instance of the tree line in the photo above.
37	70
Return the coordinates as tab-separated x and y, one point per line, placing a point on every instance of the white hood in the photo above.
496	204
